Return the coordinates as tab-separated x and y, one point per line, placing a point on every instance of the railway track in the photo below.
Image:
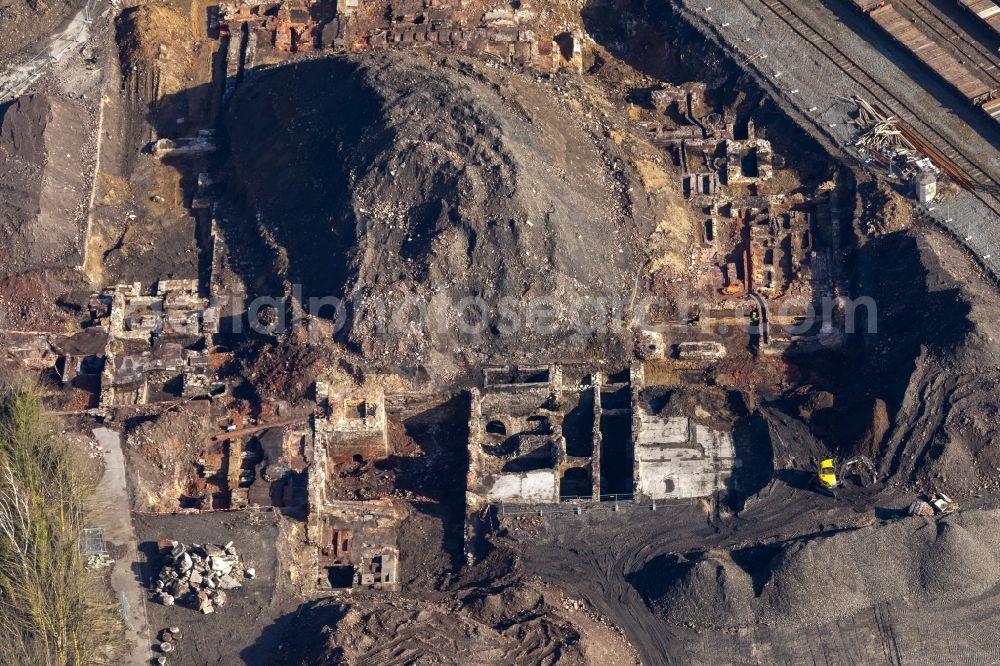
949	157
986	63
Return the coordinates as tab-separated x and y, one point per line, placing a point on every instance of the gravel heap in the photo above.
822	578
915	559
714	588
199	576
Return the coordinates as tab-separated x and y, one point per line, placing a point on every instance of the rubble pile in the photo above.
98	561
199	576
880	133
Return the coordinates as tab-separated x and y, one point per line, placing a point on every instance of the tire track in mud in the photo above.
602	562
882	613
133	114
596	568
911	415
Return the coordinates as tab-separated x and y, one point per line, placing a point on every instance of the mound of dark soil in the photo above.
919	393
43	188
160	450
413	185
941	352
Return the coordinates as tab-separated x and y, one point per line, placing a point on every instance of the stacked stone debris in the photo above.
99	561
199	576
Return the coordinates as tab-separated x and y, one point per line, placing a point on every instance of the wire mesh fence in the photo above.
578	505
92	541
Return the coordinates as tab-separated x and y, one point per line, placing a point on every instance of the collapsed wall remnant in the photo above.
781	250
532	437
137	347
771	258
149	354
748	160
285	26
676	458
138	374
702	350
268	468
174	308
203	142
349	425
354	541
766	256
560	433
536	437
356	546
268	29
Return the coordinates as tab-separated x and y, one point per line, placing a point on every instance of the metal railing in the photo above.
578	505
126	611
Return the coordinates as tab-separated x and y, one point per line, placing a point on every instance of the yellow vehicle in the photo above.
829	477
828	474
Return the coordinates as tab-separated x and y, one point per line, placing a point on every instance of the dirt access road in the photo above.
111	511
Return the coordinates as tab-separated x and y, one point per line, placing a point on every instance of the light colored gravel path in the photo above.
112	513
